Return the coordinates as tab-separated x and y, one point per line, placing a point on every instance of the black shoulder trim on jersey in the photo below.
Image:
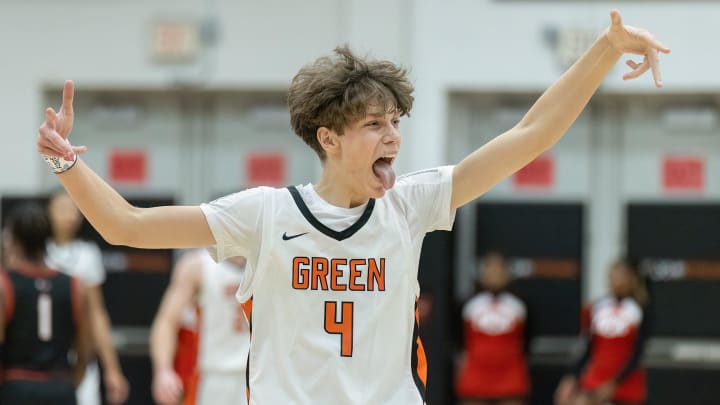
342	235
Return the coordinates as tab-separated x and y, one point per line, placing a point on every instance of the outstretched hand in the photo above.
627	39
54	132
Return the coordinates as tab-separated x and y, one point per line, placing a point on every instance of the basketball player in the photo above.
609	370
494	369
223	332
43	318
82	259
330	285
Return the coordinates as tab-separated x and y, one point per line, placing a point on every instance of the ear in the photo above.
328	139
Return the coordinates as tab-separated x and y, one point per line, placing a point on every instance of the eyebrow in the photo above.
377	115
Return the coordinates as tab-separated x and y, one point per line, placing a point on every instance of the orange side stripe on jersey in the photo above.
247	309
422	360
8	293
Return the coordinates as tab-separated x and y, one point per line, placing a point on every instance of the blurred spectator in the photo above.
43	318
494	365
82	259
609	369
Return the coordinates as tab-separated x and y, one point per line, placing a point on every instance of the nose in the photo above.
392	135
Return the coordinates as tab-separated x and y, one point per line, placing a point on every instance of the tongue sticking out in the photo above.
385	173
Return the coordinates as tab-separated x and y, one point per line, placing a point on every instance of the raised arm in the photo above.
555	111
181	293
112	216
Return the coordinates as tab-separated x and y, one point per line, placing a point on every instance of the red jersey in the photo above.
615	347
495	365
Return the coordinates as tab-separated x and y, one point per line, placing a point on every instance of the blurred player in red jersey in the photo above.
609	369
494	368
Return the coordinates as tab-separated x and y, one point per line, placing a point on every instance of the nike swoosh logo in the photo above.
286	237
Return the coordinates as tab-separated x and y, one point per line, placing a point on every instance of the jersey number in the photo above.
44	307
344	327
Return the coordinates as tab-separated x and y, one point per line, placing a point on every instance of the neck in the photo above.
337	190
496	290
62	239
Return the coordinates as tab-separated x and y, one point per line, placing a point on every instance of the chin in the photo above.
377	192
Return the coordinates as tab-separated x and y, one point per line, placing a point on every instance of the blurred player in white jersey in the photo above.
82	259
332	266
224	335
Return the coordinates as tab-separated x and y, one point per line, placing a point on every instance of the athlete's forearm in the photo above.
555	111
108	212
543	125
163	344
78	371
168	227
103	341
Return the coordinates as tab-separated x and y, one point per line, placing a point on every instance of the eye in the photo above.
372	123
396	122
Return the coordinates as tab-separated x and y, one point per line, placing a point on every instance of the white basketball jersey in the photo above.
224	332
333	313
494	314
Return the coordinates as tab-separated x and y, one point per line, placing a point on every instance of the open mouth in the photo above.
384	172
388	159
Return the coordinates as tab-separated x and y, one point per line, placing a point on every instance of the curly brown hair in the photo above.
336	90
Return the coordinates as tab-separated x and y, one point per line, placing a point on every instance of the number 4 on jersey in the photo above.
344	328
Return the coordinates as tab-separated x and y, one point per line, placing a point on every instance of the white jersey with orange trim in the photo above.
333	291
224	332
